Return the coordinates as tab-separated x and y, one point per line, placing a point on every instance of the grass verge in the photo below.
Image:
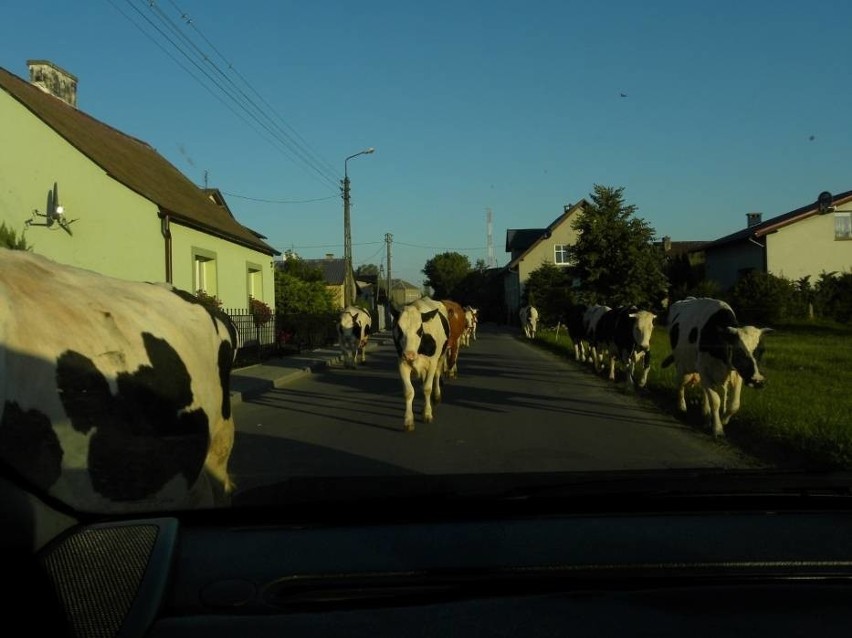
801	419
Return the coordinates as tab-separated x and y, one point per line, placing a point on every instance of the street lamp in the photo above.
348	282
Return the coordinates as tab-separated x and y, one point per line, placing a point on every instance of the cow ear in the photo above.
428	316
763	331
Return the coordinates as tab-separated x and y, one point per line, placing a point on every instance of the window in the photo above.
560	255
254	282
842	226
204	272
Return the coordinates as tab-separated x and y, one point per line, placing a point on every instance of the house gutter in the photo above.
165	228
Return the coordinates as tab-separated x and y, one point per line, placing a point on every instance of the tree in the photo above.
615	258
549	288
294	295
445	272
368	270
9	239
299	268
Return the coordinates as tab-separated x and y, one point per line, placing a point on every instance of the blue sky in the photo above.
508	106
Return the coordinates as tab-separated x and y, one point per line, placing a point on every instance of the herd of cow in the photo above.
708	347
115	395
428	336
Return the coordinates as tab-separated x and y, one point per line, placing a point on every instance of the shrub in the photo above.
210	301
260	311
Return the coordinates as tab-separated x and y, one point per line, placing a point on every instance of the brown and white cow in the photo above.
711	348
456	317
353	331
471	318
529	320
114	395
421	331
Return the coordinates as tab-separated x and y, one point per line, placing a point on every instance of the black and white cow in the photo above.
353	330
577	329
421	332
625	333
529	320
711	348
114	395
591	318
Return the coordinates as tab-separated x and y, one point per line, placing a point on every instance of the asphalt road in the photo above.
513	408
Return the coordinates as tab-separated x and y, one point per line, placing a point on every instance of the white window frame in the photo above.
560	250
843	231
204	272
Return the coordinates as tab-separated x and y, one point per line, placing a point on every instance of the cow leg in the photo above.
681	392
408	394
216	463
644	359
428	384
714	402
611	368
732	406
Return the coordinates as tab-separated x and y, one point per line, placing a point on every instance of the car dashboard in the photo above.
530	567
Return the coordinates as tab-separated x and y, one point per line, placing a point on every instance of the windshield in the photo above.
271	251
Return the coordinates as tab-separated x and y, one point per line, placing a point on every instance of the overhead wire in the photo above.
279	138
244	101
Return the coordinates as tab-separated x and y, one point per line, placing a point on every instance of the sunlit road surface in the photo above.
513	408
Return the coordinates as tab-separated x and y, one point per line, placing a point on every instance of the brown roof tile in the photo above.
133	163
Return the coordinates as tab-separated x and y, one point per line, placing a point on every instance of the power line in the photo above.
471	248
275	134
191	23
280	201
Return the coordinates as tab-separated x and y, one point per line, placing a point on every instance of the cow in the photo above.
625	333
591	318
353	330
577	329
114	395
456	317
471	318
529	320
711	348
421	331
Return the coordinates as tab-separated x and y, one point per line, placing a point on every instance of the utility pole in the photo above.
348	281
348	295
388	241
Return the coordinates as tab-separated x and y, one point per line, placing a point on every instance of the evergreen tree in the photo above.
615	258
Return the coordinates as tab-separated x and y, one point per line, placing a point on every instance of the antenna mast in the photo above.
491	260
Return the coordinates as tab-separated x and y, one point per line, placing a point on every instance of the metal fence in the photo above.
257	343
285	334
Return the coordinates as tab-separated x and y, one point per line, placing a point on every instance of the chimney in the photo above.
329	255
667	244
753	219
54	80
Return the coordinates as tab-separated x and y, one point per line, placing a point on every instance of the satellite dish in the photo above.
55	211
824	202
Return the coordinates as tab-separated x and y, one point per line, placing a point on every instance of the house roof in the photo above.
333	270
780	221
133	163
542	234
678	248
522	238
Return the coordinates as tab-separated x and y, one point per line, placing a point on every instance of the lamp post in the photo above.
348	282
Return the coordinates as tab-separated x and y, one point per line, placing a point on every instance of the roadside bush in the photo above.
763	299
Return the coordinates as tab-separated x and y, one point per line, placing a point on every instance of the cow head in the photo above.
643	328
409	336
745	351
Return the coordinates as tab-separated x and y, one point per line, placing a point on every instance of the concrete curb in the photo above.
254	380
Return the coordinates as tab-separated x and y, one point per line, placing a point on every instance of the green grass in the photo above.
802	418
